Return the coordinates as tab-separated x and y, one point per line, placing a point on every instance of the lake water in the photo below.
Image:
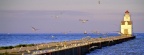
132	47
15	39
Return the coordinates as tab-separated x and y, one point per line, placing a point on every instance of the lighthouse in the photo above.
126	25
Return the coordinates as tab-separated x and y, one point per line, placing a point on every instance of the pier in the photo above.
73	47
82	47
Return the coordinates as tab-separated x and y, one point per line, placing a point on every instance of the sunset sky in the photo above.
58	16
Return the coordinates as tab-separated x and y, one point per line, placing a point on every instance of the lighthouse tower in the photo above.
126	25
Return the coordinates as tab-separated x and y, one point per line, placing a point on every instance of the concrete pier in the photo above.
90	45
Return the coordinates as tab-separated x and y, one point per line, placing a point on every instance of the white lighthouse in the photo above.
126	25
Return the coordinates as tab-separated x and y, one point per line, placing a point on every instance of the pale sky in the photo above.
18	16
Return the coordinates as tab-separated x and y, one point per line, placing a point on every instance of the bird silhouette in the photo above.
99	2
34	29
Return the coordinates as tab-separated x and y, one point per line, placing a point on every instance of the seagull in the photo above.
20	48
99	2
95	32
56	17
83	21
52	36
34	29
119	33
22	53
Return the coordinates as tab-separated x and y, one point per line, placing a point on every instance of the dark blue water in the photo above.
132	47
15	39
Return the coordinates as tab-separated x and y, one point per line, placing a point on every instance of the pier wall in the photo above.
82	50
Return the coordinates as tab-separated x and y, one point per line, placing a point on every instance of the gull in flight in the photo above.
56	16
99	2
34	29
83	21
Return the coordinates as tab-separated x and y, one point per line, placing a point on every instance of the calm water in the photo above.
132	47
15	39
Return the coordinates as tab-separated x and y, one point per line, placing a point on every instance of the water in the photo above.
15	39
132	47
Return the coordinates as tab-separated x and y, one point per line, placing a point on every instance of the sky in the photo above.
60	16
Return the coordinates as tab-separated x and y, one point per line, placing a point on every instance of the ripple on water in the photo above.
132	47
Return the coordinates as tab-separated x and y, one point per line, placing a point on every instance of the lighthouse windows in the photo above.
126	18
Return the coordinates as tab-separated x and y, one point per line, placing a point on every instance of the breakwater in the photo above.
74	47
92	45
